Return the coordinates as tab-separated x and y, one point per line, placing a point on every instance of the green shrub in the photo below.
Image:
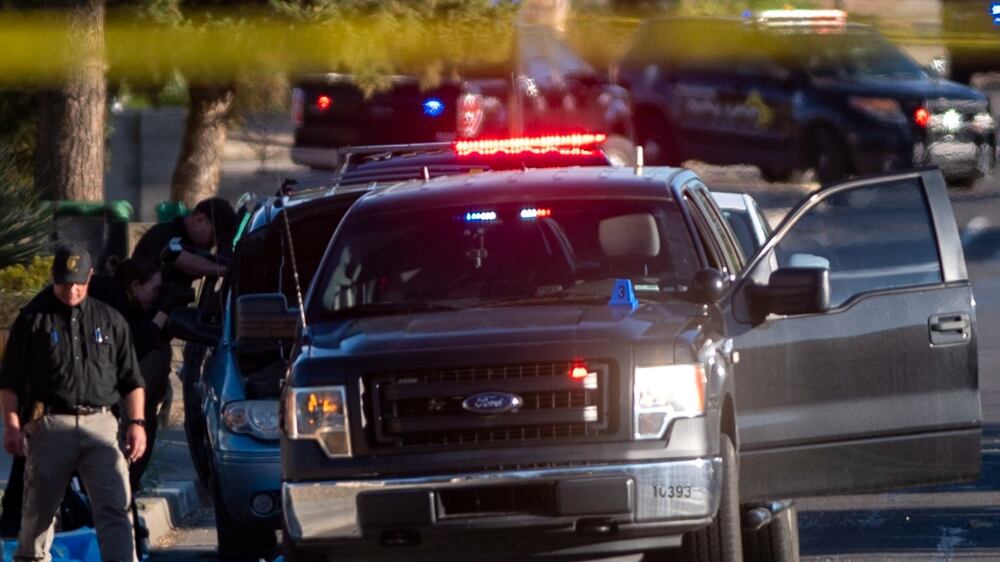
24	224
18	284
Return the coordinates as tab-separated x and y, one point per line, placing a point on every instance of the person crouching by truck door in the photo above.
134	291
74	355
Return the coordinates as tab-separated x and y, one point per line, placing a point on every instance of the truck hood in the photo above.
500	326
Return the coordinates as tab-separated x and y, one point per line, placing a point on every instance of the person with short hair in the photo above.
181	247
74	356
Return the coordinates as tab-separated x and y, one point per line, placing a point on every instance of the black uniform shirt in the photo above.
145	334
153	242
65	357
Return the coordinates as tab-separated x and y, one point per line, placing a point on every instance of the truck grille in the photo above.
422	408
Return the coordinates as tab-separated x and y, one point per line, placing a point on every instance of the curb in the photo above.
166	505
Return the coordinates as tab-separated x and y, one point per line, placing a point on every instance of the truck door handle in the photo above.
950	328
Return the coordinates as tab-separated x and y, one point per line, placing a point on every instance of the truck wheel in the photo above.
830	157
779	174
777	542
238	541
720	541
619	150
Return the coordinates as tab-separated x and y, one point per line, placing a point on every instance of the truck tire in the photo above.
238	541
720	541
780	174
830	157
776	542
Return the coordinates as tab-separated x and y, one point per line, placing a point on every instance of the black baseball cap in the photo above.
72	264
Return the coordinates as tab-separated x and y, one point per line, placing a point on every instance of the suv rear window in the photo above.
480	255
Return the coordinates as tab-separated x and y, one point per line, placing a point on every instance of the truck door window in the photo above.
712	250
729	246
872	238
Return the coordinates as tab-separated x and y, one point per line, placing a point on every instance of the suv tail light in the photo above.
922	117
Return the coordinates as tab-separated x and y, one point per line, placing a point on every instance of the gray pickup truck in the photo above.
583	362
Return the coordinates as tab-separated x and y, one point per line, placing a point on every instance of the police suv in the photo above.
572	362
543	88
796	89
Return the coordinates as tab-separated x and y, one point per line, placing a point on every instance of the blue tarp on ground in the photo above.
79	545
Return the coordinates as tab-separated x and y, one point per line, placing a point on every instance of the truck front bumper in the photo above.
669	497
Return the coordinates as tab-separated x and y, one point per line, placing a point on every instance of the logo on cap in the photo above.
73	263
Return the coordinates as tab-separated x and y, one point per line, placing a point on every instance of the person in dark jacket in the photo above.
181	247
73	355
134	291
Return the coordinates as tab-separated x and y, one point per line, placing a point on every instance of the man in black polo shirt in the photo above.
74	356
181	246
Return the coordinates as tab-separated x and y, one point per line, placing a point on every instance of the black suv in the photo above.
544	88
580	361
793	90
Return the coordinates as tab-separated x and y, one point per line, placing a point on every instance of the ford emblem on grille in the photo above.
492	403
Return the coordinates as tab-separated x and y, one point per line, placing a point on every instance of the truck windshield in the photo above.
488	255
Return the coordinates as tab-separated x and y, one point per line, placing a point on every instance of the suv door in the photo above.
881	389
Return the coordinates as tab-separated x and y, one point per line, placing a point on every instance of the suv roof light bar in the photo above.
815	18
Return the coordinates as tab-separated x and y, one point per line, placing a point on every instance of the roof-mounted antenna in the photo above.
427	174
638	160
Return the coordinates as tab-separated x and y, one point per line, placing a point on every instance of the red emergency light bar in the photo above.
571	145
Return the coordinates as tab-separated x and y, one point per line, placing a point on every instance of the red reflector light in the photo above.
922	117
572	145
324	102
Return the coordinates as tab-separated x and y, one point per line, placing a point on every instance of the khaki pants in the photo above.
56	446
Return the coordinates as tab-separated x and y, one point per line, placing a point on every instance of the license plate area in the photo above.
495	501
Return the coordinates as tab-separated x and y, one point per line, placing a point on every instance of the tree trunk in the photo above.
200	162
70	154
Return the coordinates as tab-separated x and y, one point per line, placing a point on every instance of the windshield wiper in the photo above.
560	297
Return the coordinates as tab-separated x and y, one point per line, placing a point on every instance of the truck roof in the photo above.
501	187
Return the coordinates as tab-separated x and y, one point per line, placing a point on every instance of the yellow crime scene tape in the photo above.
40	47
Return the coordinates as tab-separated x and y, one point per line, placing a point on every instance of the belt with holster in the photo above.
76	410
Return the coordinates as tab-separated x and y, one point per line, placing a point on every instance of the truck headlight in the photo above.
664	393
319	413
258	418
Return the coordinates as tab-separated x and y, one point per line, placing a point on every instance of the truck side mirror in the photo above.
791	290
265	317
185	324
708	285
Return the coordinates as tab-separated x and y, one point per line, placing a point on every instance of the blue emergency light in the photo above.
433	107
995	12
481	216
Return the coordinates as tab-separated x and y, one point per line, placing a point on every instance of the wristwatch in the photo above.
138	421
